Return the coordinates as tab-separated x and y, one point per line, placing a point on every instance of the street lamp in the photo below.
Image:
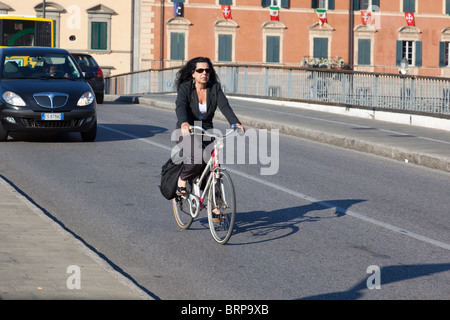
404	66
43	9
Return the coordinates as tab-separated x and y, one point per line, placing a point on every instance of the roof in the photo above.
32	50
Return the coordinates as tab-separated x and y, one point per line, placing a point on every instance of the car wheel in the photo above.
90	135
3	133
100	97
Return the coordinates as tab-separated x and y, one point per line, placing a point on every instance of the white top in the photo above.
201	110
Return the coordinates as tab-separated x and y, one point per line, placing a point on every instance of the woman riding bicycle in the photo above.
199	95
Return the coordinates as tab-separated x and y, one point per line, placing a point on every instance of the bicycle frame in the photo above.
211	167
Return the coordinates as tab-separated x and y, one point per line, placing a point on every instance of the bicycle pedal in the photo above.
218	217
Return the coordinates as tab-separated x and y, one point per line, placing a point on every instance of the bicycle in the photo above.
218	195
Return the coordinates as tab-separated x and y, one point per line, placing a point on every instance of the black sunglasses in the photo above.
201	70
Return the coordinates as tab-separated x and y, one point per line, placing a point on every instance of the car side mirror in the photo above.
89	75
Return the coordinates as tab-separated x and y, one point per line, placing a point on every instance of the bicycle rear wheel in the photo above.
222	198
182	211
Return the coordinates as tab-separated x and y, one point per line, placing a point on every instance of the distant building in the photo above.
365	35
102	29
416	29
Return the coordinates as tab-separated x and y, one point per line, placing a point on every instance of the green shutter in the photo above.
320	49
285	4
399	52
225	47
418	62
409	5
176	46
330	4
442	54
99	35
272	49
364	51
356	6
226	2
375	3
265	3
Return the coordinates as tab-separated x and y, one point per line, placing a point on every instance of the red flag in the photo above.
226	9
366	17
409	17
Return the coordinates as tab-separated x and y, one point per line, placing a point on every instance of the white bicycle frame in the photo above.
195	198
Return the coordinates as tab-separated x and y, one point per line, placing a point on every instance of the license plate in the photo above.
52	116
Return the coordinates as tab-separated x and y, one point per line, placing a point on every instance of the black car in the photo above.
44	90
88	64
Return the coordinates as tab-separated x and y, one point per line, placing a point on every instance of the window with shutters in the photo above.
273	35
225	47
409	46
321	4
445	52
444	48
177	46
99	28
364	51
225	37
99	35
275	3
411	50
374	5
364	46
320	49
409	5
273	49
177	40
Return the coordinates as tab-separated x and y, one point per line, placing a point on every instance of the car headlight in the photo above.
86	99
13	99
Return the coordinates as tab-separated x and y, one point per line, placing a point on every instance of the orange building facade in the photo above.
255	32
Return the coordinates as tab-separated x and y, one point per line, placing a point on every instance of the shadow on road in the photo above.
267	226
388	274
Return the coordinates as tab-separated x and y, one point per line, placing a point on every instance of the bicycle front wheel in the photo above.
222	207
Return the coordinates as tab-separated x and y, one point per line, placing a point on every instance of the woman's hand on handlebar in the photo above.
239	128
185	129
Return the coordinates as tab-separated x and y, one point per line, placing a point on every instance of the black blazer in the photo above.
187	105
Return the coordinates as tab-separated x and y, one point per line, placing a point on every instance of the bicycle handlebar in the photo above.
206	133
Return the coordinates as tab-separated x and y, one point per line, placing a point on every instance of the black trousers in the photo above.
191	153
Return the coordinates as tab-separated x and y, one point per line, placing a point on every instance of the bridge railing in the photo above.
415	94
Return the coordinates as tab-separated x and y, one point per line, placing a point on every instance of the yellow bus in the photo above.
25	31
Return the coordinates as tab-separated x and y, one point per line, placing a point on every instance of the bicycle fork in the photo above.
218	183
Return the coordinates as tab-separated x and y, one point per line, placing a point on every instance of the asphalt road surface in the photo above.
330	224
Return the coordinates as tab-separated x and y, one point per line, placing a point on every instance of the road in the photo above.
325	226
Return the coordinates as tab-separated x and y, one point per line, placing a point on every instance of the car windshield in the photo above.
47	66
85	61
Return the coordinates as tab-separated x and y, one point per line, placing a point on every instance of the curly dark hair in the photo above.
185	73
